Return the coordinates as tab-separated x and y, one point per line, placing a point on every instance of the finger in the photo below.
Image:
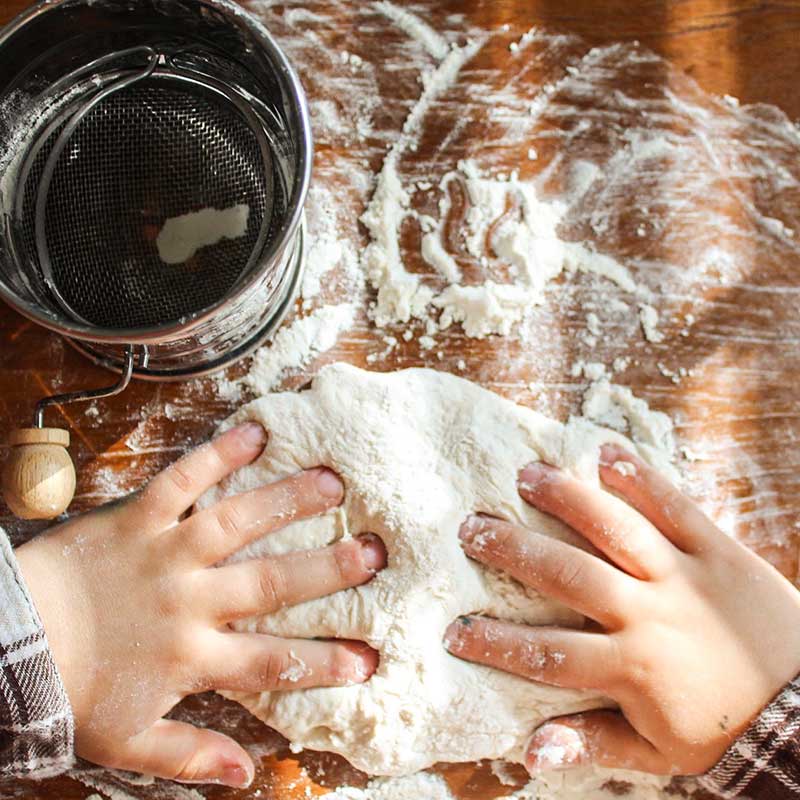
602	738
179	751
578	579
610	524
650	493
174	490
252	662
265	585
217	532
555	656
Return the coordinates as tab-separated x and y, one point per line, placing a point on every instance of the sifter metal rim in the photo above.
290	230
268	329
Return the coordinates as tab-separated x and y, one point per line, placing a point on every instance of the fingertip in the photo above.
364	663
554	746
457	634
217	759
617	466
611	452
373	552
252	435
238	775
329	485
532	477
234	766
471	527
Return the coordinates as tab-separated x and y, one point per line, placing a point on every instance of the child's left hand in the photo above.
694	633
137	614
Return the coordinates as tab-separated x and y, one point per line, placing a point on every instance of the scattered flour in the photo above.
581	784
525	241
625	468
500	769
401	294
648	316
116	785
297	670
422	786
418	30
616	407
327	248
181	237
295	346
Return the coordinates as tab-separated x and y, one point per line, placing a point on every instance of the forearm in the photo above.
36	725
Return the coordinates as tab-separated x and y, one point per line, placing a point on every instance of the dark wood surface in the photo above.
743	391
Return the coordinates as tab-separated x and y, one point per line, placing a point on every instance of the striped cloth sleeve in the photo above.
36	724
764	762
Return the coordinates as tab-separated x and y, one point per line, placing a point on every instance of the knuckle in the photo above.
179	652
189	771
568	574
271	586
275	667
669	500
217	457
180	478
229	520
542	658
640	669
169	606
347	567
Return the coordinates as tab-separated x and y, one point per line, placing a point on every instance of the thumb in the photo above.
602	738
179	751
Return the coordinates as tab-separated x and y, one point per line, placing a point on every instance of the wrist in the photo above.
48	580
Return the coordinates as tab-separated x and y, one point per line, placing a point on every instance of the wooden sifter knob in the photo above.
38	477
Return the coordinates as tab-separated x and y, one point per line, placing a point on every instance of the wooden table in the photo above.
742	393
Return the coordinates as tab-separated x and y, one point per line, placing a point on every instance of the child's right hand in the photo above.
692	633
137	616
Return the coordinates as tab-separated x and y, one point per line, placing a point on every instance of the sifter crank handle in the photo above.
39	476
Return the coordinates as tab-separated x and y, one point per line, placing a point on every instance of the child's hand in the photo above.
137	615
695	634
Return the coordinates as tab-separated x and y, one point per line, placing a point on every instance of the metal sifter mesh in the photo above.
154	162
156	150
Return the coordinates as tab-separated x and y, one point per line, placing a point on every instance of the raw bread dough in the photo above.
419	451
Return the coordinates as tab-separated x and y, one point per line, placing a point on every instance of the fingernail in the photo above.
554	747
373	552
456	633
534	474
612	451
236	776
365	662
253	434
471	527
329	484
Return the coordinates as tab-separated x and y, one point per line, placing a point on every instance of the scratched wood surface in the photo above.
745	351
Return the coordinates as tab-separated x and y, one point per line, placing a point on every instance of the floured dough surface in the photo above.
419	451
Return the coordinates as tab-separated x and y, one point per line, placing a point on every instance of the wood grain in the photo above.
744	351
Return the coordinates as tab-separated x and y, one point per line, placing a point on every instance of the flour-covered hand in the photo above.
137	613
690	632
